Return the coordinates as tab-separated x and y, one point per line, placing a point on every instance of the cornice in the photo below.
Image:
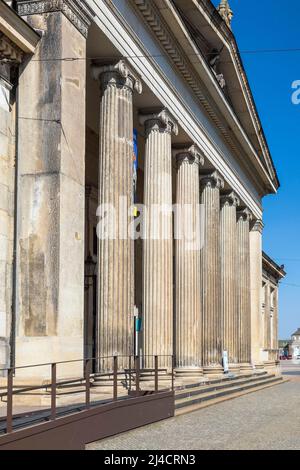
9	52
273	268
161	30
77	11
228	36
17	30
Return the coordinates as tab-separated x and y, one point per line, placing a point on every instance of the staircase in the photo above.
192	397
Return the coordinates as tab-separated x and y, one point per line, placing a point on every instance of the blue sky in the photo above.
273	24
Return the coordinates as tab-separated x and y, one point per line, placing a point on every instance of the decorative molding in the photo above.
9	52
273	268
116	74
212	179
159	121
228	36
161	30
77	11
159	27
190	155
225	12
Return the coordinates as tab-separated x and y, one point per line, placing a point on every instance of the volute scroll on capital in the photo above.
230	198
257	226
244	214
117	74
162	121
192	155
212	179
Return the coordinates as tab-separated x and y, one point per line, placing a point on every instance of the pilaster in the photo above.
51	202
78	12
256	291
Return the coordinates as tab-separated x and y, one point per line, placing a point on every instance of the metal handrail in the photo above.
80	360
136	370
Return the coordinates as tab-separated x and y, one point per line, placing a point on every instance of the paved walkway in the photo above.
268	419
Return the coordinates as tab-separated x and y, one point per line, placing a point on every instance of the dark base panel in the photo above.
75	431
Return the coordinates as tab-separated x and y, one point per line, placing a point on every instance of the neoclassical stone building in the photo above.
272	275
86	88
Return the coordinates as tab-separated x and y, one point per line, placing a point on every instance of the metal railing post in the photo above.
87	383
9	417
156	373
130	373
137	374
115	391
53	391
173	360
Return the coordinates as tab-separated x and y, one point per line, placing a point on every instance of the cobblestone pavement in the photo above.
267	419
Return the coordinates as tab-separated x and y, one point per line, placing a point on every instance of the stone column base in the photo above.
259	366
234	368
246	367
270	366
213	371
186	372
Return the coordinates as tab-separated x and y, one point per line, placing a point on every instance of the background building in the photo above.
272	275
294	345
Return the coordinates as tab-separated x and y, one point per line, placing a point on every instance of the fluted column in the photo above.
187	261
229	203
243	288
158	238
211	274
257	327
116	250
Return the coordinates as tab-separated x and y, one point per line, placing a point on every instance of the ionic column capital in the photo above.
118	74
244	214
213	179
229	198
191	155
161	121
258	226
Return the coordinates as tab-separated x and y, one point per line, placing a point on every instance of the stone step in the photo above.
223	379
204	396
190	391
214	401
